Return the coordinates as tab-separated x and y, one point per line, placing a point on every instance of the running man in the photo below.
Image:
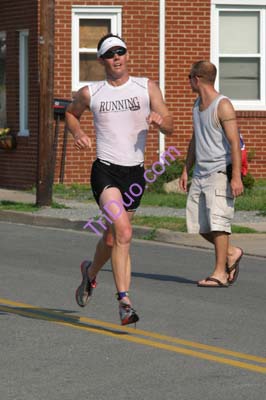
123	108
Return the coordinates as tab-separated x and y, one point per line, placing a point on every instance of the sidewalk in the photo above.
78	213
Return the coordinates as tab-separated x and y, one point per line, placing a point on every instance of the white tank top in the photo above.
213	151
120	114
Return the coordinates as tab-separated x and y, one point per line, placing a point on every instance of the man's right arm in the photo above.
73	114
190	160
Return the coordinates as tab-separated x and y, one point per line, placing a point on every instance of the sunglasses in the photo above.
111	53
193	76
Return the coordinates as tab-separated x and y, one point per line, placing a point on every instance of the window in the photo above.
238	49
89	24
3	80
23	82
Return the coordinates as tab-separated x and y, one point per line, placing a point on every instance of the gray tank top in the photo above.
213	151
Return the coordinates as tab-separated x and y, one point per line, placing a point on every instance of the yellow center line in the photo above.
122	333
201	346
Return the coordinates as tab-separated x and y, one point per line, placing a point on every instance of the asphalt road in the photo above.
190	344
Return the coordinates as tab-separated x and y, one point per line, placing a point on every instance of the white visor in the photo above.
109	43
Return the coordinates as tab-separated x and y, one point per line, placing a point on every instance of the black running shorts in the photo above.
129	180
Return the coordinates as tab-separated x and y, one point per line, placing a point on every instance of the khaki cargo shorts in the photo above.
210	204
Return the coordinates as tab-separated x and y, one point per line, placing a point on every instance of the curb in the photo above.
39	220
139	232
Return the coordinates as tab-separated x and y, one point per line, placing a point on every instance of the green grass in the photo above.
17	206
176	224
174	200
242	229
260	183
262	213
150	235
171	223
24	207
252	199
73	192
83	193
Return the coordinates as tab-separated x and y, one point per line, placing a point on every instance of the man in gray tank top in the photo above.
214	151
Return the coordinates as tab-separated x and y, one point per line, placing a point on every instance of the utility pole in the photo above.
46	95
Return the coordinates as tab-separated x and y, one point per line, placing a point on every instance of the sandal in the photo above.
219	284
234	267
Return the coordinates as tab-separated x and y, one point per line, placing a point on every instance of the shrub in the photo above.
248	181
172	171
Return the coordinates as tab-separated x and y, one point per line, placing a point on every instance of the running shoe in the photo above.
127	314
84	291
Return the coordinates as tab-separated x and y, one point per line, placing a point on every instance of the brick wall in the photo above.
187	40
252	126
18	167
140	29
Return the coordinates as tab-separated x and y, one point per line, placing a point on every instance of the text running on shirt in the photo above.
131	104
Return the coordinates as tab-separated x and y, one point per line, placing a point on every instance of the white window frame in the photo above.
241	5
23	83
114	13
3	35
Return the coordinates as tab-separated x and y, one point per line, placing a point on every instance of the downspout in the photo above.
162	65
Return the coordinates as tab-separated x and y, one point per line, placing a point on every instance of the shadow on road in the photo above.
159	277
56	316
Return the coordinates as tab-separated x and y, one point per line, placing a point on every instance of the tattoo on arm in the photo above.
229	119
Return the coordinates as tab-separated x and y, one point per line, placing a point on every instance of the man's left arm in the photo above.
227	118
160	116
